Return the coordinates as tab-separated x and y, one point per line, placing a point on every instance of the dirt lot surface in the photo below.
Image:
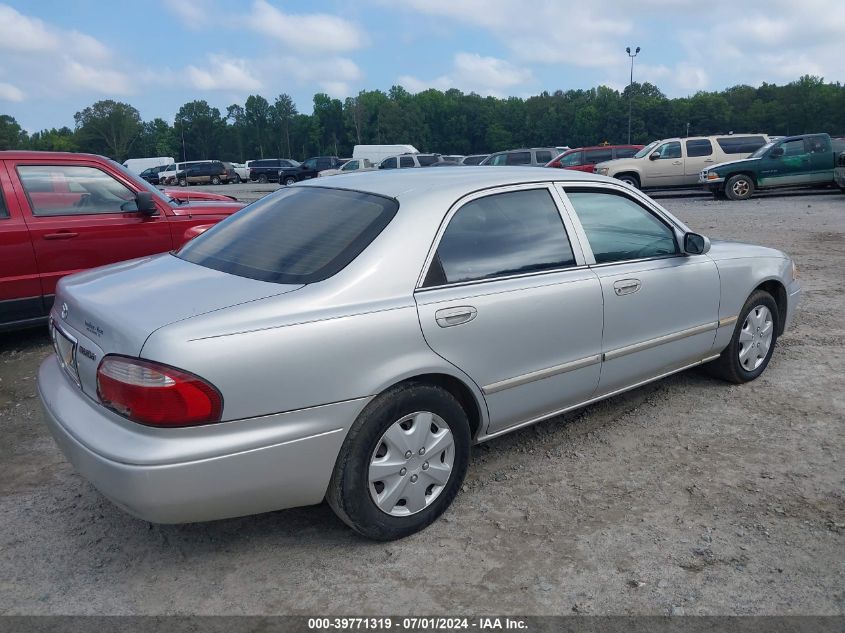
685	496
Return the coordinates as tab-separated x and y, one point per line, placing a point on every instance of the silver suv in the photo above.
410	160
526	157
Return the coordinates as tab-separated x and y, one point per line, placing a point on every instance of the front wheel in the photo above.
630	179
753	341
262	179
290	180
402	462
215	180
235	180
739	187
183	182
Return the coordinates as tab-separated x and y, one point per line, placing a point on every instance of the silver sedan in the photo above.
351	340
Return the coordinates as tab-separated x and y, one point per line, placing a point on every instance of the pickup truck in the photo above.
62	212
806	159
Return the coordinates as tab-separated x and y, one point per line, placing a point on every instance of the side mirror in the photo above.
145	202
654	156
776	152
695	244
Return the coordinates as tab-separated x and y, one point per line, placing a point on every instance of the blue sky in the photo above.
56	57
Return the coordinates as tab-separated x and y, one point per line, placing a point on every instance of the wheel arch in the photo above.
470	399
630	172
776	288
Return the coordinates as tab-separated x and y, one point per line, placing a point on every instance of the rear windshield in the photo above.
299	235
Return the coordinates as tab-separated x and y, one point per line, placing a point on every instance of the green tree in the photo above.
257	123
108	127
12	136
203	128
283	112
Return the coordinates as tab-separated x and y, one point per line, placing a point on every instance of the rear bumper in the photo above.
201	474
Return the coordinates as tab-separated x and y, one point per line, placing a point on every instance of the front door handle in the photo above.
61	235
626	286
677	162
448	317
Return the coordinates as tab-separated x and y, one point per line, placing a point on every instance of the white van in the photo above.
138	165
377	153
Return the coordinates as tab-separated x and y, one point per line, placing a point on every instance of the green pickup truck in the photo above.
808	159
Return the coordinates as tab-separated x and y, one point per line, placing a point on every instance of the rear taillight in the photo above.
155	394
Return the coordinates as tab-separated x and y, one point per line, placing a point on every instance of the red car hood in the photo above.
185	194
206	207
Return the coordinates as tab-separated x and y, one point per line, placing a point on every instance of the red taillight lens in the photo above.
155	394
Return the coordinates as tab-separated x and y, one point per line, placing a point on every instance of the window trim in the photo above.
569	228
676	229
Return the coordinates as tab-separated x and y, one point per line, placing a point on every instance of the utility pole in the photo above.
630	87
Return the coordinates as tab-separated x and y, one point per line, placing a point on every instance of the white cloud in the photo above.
223	72
194	14
78	76
475	73
315	32
8	92
23	33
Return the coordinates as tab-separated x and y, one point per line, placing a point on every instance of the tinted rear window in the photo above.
699	147
543	156
425	161
296	236
625	152
740	144
519	158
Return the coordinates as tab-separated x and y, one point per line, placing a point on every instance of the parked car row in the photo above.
61	213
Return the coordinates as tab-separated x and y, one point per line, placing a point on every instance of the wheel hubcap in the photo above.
411	464
755	338
740	187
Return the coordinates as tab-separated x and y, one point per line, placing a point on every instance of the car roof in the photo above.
14	154
454	182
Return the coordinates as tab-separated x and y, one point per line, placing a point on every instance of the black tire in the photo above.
727	366
630	179
739	187
262	178
235	180
183	182
215	180
290	180
349	493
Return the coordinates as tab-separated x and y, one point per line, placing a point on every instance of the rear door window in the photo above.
593	156
296	236
518	158
699	147
625	152
406	161
740	144
500	235
427	159
543	156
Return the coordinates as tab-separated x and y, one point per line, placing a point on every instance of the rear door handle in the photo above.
62	235
448	317
709	160
626	286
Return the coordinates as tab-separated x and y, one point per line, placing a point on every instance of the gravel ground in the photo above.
685	496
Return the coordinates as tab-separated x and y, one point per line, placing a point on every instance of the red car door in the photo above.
20	288
80	216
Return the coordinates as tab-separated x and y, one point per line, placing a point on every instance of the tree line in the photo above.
448	122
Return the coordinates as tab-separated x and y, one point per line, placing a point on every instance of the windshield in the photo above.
298	235
645	151
142	184
762	150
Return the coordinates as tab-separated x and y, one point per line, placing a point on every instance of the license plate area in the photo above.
65	347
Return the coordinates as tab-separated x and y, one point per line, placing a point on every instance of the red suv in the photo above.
62	212
585	158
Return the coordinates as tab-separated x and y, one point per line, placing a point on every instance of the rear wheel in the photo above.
402	462
753	341
236	180
739	187
183	182
215	180
630	179
262	178
290	180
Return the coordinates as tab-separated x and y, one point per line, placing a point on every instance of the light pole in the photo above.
630	87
